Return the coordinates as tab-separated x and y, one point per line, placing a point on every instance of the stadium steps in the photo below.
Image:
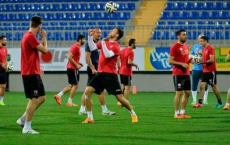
148	14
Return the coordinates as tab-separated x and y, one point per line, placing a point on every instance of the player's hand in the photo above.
41	73
94	71
90	32
137	67
184	65
43	33
78	66
10	67
81	64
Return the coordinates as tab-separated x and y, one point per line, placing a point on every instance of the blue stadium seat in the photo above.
175	15
205	15
55	7
130	6
27	7
65	7
92	6
189	6
226	5
45	7
178	6
68	36
217	5
67	16
169	6
184	15
165	15
12	17
101	6
92	23
86	16
121	6
83	6
8	8
96	16
77	16
122	23
227	35
125	16
9	36
198	5
101	23
208	6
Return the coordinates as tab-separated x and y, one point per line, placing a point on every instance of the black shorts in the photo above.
33	86
108	81
126	80
90	75
3	77
73	76
209	78
182	82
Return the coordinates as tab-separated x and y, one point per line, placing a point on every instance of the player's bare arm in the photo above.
70	57
211	60
130	62
89	62
228	57
173	62
43	47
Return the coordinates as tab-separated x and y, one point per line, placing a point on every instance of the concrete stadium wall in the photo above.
144	82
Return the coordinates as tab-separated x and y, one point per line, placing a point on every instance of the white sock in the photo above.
70	100
182	111
1	98
23	118
132	112
206	95
104	108
194	93
177	112
60	94
227	104
82	108
90	114
27	124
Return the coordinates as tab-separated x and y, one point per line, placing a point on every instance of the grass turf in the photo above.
62	124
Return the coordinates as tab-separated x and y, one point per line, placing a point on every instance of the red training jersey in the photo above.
30	63
76	51
206	52
126	54
3	55
180	52
108	65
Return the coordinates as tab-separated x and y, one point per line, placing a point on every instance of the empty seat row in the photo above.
65	23
35	1
164	35
192	22
212	5
53	35
62	7
194	15
67	16
192	27
62	28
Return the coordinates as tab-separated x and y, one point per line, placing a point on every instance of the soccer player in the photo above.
3	68
31	72
197	72
179	58
126	60
209	72
226	107
92	61
106	78
73	67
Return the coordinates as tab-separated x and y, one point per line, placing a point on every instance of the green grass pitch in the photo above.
61	125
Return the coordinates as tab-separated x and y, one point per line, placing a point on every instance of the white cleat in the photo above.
29	131
82	113
205	102
20	123
108	112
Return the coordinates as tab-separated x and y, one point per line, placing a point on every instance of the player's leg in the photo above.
227	100
105	110
73	79
3	80
186	87
203	83
195	81
2	94
213	83
71	96
206	94
88	102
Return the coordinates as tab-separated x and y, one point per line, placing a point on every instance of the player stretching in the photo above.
179	58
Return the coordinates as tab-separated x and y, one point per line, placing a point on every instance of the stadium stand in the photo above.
211	18
63	19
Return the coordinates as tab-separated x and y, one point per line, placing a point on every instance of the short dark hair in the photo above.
131	41
80	37
120	33
179	31
35	21
2	37
204	38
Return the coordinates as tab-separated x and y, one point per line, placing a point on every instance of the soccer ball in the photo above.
110	7
197	59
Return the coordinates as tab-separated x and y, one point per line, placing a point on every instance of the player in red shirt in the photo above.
106	78
126	58
31	71
73	67
226	107
179	58
3	68
209	73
